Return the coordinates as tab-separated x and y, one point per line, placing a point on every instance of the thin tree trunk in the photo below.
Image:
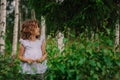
26	13
59	1
2	26
43	27
117	33
60	43
60	36
15	33
33	14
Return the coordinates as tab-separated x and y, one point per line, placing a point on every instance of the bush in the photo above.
9	69
84	60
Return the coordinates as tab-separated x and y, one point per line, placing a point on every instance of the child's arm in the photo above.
44	53
20	55
43	47
42	59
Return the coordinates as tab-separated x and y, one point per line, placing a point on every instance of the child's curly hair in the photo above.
28	29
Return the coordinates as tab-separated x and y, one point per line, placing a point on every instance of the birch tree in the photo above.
117	28
117	33
59	1
2	26
26	12
60	36
43	27
60	44
33	14
15	32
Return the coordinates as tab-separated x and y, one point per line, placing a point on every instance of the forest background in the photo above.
89	47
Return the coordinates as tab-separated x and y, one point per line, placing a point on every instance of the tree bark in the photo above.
33	16
26	12
117	32
60	43
60	36
2	26
15	32
59	1
43	27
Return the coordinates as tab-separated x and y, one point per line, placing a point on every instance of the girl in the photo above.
32	51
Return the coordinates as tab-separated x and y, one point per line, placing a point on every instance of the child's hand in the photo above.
30	61
44	56
41	59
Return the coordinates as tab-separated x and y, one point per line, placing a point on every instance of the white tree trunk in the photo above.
43	27
117	33
15	32
2	26
60	36
59	1
60	43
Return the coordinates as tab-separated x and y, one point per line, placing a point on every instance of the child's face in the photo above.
37	31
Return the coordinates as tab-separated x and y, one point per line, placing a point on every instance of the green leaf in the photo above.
98	64
96	44
92	62
89	51
95	76
61	67
107	59
65	40
82	45
118	62
81	61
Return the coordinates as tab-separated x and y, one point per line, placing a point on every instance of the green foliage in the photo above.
76	14
8	46
9	68
83	59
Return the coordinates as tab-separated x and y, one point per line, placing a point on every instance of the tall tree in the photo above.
60	43
33	14
15	33
117	25
2	26
43	27
117	29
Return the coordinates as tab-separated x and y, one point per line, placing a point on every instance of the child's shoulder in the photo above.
24	42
